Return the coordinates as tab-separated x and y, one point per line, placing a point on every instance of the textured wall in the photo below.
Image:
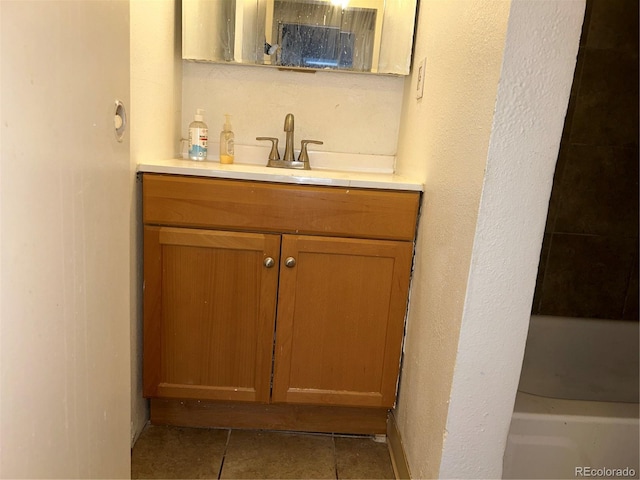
65	192
353	113
444	141
156	81
535	82
484	138
589	262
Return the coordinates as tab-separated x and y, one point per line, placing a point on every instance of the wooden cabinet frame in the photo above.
341	315
171	353
222	324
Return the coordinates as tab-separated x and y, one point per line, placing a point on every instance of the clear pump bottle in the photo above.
198	137
226	141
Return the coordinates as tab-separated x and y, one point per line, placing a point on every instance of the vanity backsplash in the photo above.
350	113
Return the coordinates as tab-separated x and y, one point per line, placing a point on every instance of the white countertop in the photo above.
238	171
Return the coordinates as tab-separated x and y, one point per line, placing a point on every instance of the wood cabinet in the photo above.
209	313
274	294
340	320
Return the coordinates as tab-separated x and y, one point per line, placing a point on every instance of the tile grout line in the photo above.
335	456
224	454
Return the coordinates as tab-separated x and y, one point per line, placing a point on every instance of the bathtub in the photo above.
576	411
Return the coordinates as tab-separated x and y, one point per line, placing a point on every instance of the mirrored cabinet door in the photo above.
371	36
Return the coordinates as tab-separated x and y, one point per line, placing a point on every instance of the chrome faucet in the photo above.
289	160
289	156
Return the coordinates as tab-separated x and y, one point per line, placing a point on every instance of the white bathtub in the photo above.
576	412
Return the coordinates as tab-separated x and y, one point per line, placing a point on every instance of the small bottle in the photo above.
198	137
226	141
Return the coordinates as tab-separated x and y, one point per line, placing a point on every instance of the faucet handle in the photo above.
304	156
274	154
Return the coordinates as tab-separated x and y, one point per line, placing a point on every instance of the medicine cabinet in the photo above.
367	36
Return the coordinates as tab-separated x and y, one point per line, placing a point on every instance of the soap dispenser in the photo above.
198	137
226	141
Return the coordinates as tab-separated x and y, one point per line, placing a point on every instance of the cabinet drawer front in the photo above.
259	206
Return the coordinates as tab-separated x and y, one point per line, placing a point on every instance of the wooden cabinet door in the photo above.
341	311
209	313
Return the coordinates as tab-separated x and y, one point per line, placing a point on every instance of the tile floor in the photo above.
177	452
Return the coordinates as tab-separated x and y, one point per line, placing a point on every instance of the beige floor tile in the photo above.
267	455
362	458
176	452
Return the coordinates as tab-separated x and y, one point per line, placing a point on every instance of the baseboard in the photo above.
304	418
139	419
396	449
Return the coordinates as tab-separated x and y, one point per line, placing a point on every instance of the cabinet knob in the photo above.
269	262
290	262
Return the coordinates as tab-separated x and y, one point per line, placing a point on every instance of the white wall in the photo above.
354	113
444	141
156	91
64	259
488	180
537	73
156	79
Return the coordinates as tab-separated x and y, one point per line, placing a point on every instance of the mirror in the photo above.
371	36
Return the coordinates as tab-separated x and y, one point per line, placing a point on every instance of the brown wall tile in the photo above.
599	191
556	190
631	303
573	97
593	210
606	111
613	24
587	276
544	256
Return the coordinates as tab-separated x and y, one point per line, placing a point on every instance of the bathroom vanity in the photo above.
274	304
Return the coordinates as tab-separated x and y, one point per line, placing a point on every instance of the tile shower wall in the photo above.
589	261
